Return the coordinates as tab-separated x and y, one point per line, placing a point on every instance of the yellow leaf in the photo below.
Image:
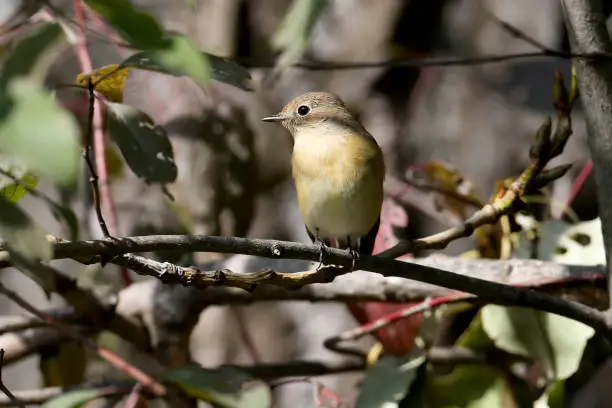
108	80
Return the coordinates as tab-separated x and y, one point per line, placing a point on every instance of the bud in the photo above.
562	134
560	96
541	144
548	176
573	94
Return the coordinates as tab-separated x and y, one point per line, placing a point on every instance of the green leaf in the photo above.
182	55
63	364
387	382
470	387
144	146
225	387
13	191
578	244
294	32
139	28
16	191
222	69
21	234
73	399
26	243
556	341
25	58
553	397
176	53
37	130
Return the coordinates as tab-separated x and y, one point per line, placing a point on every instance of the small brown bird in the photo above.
338	170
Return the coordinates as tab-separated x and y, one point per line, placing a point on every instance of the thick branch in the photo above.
586	26
486	290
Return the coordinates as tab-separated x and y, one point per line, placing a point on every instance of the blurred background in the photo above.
234	173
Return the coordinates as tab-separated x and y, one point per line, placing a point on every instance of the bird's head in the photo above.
310	110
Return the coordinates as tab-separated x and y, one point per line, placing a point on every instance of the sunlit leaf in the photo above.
16	191
556	341
73	399
182	55
34	128
388	381
108	80
13	191
294	32
144	146
577	244
63	365
176	53
225	387
114	162
222	69
553	397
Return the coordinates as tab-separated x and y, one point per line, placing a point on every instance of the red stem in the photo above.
106	201
577	185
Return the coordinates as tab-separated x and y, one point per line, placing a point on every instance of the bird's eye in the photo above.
303	110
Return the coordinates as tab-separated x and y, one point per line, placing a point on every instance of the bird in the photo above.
338	169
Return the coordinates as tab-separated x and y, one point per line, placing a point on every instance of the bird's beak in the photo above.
275	118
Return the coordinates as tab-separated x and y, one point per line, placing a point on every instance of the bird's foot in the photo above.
322	253
355	255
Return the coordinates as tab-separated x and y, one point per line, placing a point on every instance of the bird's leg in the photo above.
353	251
322	248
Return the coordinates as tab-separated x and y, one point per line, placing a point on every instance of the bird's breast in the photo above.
339	183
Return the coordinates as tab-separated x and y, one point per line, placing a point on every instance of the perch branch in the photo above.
114	250
586	26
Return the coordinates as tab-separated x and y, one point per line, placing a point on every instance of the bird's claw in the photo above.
355	255
322	253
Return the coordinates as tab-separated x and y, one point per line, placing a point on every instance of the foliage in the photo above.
41	141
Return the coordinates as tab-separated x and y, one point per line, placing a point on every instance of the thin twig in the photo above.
148	381
459	61
243	331
134	397
577	186
95	139
93	175
3	386
521	35
333	343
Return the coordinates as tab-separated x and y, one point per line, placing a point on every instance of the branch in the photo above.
4	388
297	368
586	25
425	62
155	387
114	250
94	138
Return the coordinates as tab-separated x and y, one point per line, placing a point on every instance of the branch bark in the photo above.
586	26
114	250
